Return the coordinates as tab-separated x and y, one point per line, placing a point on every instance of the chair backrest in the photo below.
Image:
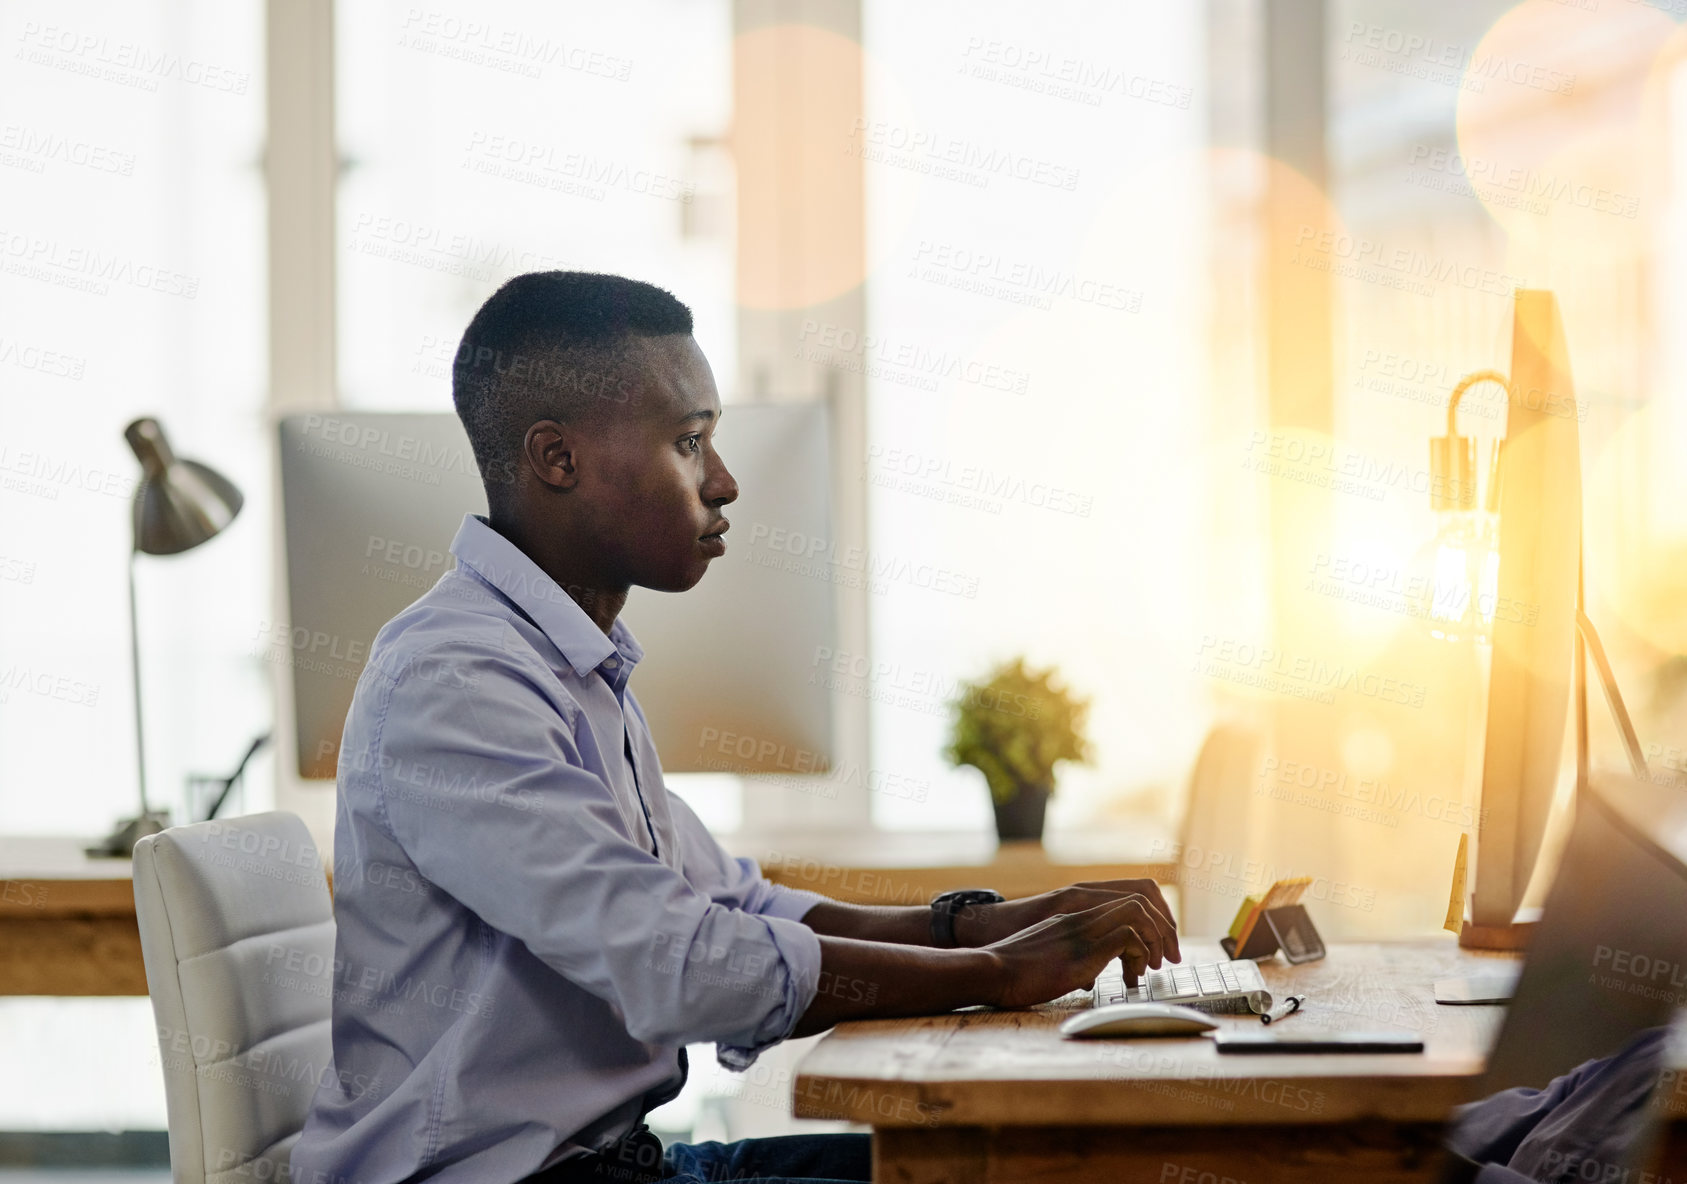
1216	829
237	932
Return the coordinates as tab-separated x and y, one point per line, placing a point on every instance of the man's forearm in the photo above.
861	978
908	925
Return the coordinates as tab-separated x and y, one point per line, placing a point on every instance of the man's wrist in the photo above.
985	975
972	925
946	909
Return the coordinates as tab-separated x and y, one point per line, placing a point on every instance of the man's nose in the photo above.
720	488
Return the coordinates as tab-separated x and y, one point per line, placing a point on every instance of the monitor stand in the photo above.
1510	938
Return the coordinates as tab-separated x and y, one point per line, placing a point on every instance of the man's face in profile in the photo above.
653	484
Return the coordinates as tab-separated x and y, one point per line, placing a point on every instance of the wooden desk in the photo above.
67	921
995	1096
912	867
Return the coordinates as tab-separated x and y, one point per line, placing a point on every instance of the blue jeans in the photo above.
788	1159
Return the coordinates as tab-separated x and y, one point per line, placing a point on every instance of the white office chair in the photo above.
237	931
1217	819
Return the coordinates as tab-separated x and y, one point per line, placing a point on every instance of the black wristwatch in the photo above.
945	905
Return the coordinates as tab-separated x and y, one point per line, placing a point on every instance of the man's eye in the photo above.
691	443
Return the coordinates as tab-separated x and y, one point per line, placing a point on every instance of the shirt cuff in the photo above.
799	951
790	903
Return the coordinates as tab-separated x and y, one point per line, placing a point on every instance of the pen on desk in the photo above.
1286	1008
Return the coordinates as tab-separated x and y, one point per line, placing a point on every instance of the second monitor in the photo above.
372	501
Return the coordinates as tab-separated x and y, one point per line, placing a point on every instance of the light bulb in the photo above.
1459	596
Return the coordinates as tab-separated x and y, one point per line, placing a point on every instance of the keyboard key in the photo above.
1211	984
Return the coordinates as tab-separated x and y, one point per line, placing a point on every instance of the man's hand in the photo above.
1061	953
1065	952
987	924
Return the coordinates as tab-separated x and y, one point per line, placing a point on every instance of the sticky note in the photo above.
1249	904
1455	902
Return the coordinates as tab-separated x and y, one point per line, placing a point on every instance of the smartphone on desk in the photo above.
1247	1038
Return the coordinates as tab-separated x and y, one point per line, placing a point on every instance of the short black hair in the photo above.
551	345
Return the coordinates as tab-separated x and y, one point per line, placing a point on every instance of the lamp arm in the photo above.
135	670
1465	383
1613	696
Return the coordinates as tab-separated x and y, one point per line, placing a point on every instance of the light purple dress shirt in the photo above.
530	927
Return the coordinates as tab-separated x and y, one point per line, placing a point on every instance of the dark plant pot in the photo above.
1021	816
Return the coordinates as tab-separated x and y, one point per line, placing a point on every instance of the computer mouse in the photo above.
1137	1019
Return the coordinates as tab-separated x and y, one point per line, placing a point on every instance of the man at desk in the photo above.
531	928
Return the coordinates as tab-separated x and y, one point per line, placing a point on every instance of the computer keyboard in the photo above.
1205	986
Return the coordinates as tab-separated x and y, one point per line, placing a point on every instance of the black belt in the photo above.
634	1158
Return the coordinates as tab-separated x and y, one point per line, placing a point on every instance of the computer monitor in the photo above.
1534	625
372	501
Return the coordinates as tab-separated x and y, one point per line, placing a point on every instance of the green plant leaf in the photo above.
1015	726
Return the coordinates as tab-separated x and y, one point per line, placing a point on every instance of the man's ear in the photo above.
549	449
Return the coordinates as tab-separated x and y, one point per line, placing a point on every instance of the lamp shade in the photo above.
179	503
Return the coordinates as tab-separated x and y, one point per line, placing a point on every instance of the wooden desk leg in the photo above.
1382	1152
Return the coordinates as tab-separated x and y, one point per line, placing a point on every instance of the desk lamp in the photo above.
178	505
1463	584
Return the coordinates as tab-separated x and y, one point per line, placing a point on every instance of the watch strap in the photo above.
946	905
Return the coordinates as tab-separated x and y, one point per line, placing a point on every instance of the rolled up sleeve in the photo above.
737	882
485	789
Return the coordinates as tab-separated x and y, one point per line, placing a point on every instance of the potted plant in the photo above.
1014	727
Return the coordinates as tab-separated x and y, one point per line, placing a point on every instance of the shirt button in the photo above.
612	663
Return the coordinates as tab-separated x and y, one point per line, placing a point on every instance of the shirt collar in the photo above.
506	567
